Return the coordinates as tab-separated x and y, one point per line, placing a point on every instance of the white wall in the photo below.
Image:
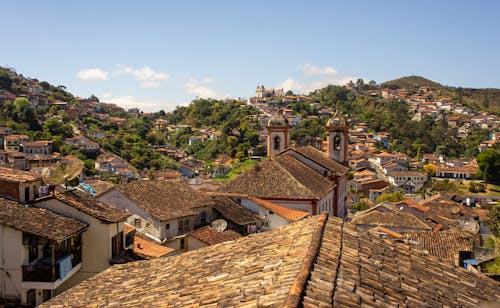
274	220
12	256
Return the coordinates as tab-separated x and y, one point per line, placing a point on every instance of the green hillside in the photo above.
411	83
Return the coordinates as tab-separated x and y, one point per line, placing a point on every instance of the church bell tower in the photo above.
278	138
337	138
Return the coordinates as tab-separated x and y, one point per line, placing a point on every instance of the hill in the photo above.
486	99
410	83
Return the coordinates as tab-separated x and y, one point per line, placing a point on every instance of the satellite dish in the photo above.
63	171
219	225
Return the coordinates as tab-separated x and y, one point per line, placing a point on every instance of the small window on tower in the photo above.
277	142
336	143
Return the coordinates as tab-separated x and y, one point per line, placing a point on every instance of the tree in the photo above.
430	169
93	98
5	81
391	197
489	165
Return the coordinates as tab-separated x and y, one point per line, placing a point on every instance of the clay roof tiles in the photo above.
316	262
165	199
210	236
282	177
37	221
18	176
90	206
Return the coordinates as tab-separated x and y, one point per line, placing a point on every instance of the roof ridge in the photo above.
299	284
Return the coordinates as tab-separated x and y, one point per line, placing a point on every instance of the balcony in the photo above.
43	271
57	264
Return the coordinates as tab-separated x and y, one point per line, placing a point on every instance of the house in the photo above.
161	209
316	262
17	160
39	252
270	214
390	216
12	143
455	172
392	166
21	186
408	181
37	147
237	217
89	146
104	239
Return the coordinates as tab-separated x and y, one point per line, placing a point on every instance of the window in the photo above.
129	239
167	226
277	142
336	143
203	217
184	226
116	244
182	243
137	223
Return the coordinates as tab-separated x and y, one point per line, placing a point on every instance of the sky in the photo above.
162	54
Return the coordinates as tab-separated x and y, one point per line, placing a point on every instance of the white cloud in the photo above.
93	73
314	77
148	77
313	70
201	89
149	105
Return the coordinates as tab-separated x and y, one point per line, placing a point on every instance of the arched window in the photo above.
277	142
336	143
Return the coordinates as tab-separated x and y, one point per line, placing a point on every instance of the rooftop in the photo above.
321	158
233	211
316	262
210	236
91	206
37	221
443	245
148	249
165	199
388	219
17	176
283	177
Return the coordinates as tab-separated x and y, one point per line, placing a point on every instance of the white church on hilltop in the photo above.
304	178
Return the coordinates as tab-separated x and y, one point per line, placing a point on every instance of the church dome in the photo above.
337	120
277	120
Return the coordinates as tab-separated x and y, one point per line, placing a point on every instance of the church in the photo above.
303	178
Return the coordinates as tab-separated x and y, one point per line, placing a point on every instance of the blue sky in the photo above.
160	54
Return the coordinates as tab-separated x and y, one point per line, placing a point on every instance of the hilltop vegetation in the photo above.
410	83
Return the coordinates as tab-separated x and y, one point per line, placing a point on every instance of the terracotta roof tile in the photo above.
150	250
165	199
321	158
283	211
210	236
443	245
91	206
18	176
282	177
388	219
233	211
311	263
37	221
